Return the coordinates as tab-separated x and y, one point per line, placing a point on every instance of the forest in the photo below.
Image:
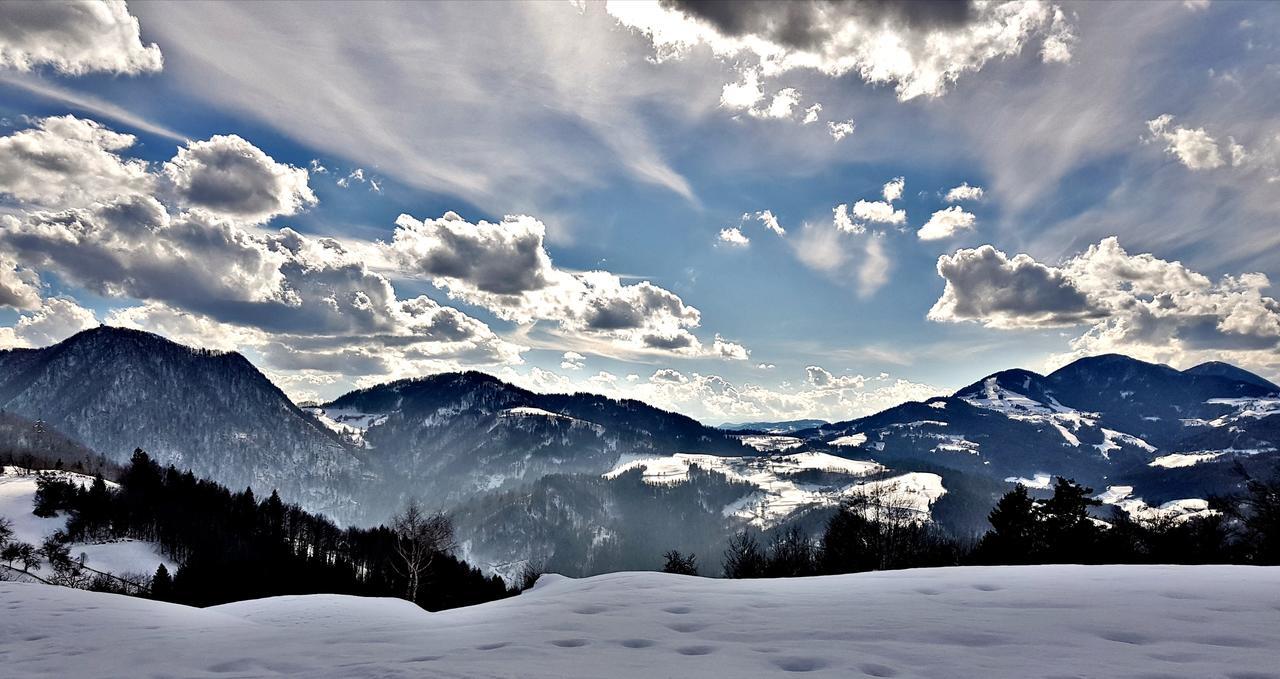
233	546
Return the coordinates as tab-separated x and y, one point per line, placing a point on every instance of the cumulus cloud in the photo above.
964	192
229	177
64	161
733	236
572	360
1136	304
987	286
1193	147
53	321
505	268
946	223
770	222
844	223
920	48
74	37
878	211
811	114
840	129
893	189
19	287
729	350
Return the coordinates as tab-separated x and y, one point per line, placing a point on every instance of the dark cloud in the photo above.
983	284
806	23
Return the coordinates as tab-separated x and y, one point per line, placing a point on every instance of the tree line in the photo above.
231	546
869	533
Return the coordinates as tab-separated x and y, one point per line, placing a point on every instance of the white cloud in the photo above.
732	351
69	162
770	222
844	223
713	398
53	321
782	105
19	287
1136	304
733	236
921	52
1193	147
841	129
989	287
878	211
873	272
811	114
893	189
505	268
572	360
74	37
964	192
946	223
229	177
742	95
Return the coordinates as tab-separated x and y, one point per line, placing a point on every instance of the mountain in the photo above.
114	390
453	435
1105	420
785	427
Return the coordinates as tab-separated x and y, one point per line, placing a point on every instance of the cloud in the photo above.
1137	304
893	189
572	360
75	37
844	223
964	192
733	236
231	178
873	272
770	222
66	161
986	286
878	211
811	114
505	268
713	398
53	321
946	223
19	287
921	48
729	350
1193	147
840	130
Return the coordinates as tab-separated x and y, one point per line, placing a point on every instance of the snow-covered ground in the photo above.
766	443
349	424
780	495
994	622
17	494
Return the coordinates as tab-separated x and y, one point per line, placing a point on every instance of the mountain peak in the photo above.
1222	369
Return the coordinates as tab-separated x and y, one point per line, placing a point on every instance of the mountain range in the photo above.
588	483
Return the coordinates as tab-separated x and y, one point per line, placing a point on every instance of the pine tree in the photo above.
1015	529
162	584
680	564
743	558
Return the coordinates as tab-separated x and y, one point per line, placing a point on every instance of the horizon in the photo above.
947	393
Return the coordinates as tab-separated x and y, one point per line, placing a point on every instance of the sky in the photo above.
740	211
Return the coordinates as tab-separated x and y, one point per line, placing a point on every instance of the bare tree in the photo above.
420	537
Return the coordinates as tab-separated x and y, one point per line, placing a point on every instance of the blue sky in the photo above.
1128	157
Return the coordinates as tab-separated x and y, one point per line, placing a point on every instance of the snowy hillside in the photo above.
122	557
1007	622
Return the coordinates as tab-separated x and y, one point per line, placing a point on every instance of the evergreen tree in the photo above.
790	554
1015	530
680	564
162	584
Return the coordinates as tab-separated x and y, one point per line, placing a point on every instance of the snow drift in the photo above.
1035	621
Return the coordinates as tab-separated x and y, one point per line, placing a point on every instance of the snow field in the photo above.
989	622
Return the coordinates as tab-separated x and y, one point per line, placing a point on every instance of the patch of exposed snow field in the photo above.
990	622
1037	481
779	496
766	443
348	423
850	441
118	557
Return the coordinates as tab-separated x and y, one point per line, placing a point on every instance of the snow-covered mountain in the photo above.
785	427
115	390
453	435
1104	420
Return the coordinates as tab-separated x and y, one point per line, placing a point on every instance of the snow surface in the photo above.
991	622
1190	459
780	496
350	424
1136	507
851	440
17	495
770	442
1038	481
